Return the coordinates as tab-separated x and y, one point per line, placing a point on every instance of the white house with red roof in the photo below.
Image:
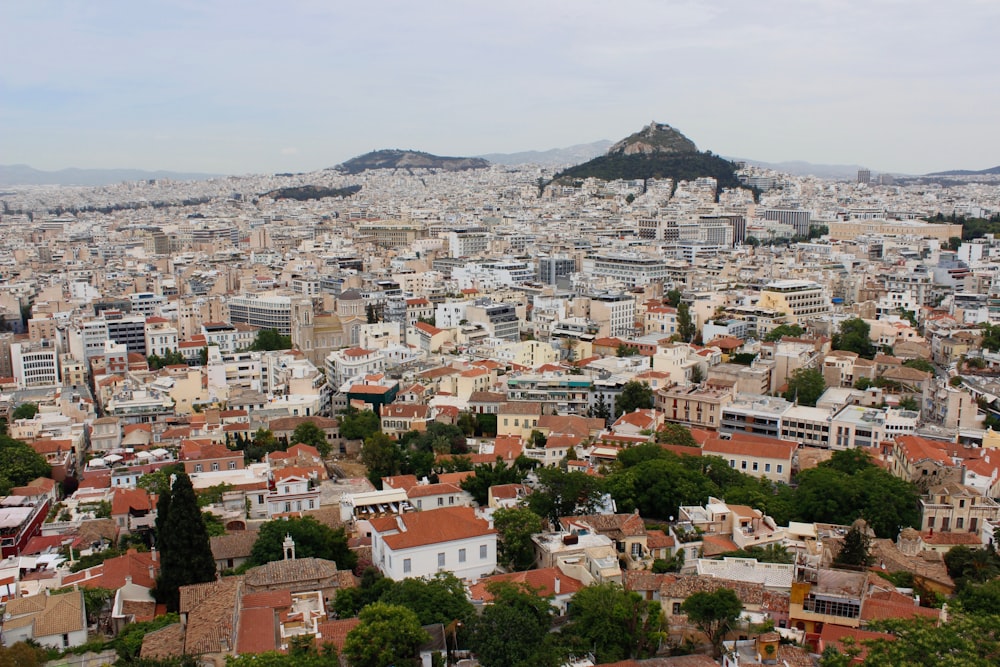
434	496
420	544
755	455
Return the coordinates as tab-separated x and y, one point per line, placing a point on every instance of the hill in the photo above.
992	171
655	151
399	159
22	174
554	157
307	192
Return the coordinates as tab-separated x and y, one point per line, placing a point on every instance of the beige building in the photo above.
847	230
955	507
798	299
693	405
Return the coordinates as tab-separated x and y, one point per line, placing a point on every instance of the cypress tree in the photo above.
186	554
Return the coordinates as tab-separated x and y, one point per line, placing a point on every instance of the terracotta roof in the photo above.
236	544
167	642
757	448
124	500
258	631
335	632
424	490
112	572
211	610
431	527
428	329
543	580
50	614
528	408
288	571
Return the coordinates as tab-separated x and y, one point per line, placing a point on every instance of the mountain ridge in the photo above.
395	158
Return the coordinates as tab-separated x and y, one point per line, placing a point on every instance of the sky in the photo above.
246	86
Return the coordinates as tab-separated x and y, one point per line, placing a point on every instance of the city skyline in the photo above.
236	88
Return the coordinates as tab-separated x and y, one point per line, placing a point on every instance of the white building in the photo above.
421	544
35	364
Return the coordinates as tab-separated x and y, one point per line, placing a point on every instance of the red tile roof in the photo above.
431	527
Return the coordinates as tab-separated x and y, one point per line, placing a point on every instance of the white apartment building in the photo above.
35	364
263	311
632	269
161	337
800	299
343	365
615	313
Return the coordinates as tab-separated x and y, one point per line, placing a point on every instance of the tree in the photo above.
634	395
686	328
675	434
909	403
982	599
673	297
782	330
966	640
971	566
560	493
714	613
854	337
954	242
184	546
271	339
359	424
128	643
437	599
467	422
308	433
19	464
600	409
512	631
491	475
515	526
312	540
624	350
24	411
23	654
387	635
618	624
805	386
856	550
158	481
382	456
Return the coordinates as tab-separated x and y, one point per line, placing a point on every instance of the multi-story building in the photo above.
694	405
800	299
631	269
614	313
263	311
161	336
128	330
343	365
955	507
499	319
35	364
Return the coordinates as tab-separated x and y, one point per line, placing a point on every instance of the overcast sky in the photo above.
241	86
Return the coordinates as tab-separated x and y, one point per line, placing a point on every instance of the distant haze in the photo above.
245	86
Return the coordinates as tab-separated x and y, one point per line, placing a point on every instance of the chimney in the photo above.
152	573
152	554
557	585
128	579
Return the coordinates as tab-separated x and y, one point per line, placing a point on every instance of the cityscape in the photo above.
675	397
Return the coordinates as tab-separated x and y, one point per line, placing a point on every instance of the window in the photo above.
482	551
197	467
755	466
312	504
677	609
215	465
743	465
407	565
441	559
779	467
260	500
767	467
451	500
461	555
288	507
440	502
232	465
960	523
732	463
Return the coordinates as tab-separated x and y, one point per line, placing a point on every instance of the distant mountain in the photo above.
993	171
655	151
554	157
399	159
22	174
800	168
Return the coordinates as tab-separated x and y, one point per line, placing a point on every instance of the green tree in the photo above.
909	403
805	386
271	339
24	411
19	464
359	424
686	328
308	433
617	624
675	434
782	330
971	566
23	654
128	642
966	640
560	493
512	631
468	423
515	526
312	540
624	350
981	599
437	599
714	613
158	481
382	456
854	337
387	635
856	550
673	297
634	395
350	601
186	556
492	475
600	409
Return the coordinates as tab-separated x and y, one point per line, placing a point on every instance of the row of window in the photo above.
755	467
215	466
441	560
